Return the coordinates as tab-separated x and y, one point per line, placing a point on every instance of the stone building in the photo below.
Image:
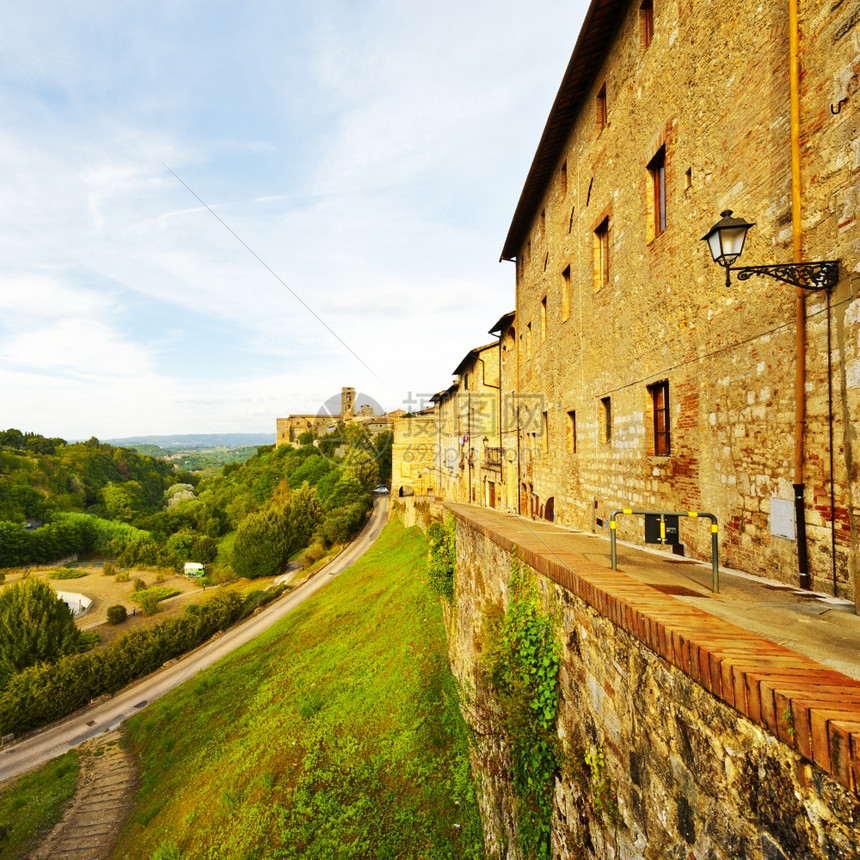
287	430
650	384
468	444
413	455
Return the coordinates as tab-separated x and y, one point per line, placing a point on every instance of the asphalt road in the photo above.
66	734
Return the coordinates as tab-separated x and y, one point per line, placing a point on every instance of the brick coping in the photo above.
810	707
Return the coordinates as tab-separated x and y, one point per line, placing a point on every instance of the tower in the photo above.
347	404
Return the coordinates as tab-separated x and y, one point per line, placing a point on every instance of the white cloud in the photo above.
387	142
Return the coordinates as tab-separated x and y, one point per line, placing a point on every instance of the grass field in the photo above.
33	803
336	734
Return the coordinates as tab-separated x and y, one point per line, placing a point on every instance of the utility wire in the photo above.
274	274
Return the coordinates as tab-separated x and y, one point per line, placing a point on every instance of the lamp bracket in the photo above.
816	276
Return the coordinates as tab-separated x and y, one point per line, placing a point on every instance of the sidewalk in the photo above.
816	625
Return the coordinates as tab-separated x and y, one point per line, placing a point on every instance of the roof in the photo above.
503	322
471	357
599	27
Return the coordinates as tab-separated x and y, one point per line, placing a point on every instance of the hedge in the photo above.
47	692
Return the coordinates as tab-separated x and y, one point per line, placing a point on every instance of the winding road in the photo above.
107	715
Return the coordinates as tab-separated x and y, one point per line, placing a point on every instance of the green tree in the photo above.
261	547
35	627
123	501
383	444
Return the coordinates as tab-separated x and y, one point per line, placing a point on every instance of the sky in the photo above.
214	214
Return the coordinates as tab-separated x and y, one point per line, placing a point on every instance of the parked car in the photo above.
381	490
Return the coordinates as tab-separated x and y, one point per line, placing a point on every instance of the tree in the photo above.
35	627
123	501
261	547
383	444
266	540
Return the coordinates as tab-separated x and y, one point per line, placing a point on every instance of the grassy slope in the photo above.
335	734
33	803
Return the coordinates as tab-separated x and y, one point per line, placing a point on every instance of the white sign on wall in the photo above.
782	518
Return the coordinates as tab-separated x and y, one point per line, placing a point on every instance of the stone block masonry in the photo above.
717	743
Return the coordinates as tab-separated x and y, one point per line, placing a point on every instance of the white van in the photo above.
194	568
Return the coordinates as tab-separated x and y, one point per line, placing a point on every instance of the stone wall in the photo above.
704	760
416	510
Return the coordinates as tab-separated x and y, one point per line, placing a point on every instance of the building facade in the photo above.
656	386
288	430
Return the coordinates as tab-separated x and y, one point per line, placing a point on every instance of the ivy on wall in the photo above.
443	556
524	674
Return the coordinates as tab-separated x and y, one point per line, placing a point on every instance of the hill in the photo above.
198	441
335	734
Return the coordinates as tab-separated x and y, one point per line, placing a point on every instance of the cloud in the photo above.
387	142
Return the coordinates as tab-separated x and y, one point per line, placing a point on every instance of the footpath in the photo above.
761	646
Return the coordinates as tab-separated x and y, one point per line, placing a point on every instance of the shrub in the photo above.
313	553
117	613
108	569
139	585
66	573
122	576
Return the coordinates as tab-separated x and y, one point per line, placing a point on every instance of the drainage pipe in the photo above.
800	302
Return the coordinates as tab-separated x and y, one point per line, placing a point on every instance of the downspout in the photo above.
800	302
499	387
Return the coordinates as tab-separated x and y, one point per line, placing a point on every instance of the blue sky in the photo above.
371	154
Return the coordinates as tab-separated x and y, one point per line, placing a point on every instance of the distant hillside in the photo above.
196	441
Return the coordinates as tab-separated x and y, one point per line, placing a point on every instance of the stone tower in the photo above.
347	404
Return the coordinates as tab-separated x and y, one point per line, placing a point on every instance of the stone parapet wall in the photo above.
718	743
416	510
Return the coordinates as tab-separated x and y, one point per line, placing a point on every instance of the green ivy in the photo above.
443	556
525	676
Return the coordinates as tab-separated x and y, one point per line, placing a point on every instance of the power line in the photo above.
274	274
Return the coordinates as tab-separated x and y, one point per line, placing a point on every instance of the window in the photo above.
563	179
543	319
571	432
565	294
657	169
659	392
545	430
606	418
601	254
646	23
601	108
528	340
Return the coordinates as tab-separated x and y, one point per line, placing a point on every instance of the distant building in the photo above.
288	430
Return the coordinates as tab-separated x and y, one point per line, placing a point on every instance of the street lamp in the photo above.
726	242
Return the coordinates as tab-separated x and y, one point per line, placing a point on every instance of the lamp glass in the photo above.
732	240
726	238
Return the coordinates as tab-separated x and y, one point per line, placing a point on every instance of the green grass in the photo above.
32	804
335	734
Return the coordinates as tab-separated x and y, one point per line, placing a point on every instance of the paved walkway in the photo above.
786	659
808	622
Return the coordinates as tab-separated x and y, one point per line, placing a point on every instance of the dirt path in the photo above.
104	796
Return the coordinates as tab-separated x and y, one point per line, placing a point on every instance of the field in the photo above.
335	734
105	591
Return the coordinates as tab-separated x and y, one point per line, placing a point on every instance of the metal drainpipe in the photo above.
800	304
